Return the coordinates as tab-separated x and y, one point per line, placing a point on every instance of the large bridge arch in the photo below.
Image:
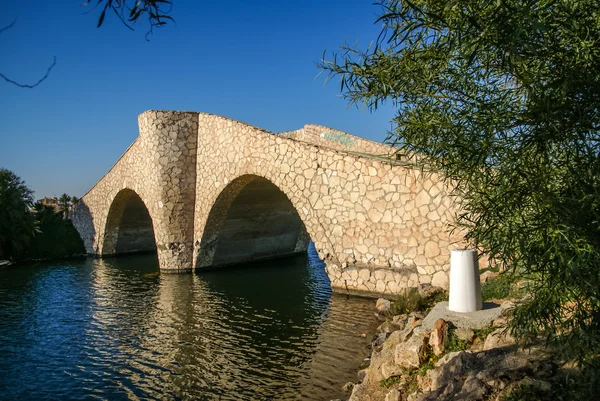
252	218
129	227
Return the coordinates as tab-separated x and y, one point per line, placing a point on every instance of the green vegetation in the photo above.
454	343
412	301
583	385
31	232
502	98
410	376
57	238
390	381
17	224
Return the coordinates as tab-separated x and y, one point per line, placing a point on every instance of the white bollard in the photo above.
465	287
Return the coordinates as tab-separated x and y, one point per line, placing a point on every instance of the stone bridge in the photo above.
207	191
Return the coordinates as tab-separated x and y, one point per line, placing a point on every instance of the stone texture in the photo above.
379	223
439	336
410	354
383	305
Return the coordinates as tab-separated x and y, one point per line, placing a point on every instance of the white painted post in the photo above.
465	287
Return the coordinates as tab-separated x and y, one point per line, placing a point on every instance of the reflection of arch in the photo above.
128	226
251	219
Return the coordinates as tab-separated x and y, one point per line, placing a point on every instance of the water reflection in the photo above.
111	329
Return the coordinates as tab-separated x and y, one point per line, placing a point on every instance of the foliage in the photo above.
409	301
409	377
412	301
390	381
17	225
498	288
581	386
57	239
156	12
64	203
502	99
482	334
455	343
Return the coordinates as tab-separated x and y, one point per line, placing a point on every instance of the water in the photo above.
115	329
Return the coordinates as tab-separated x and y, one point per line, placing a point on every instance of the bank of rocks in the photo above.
448	356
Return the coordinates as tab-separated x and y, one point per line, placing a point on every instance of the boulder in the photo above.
465	334
383	305
498	338
534	384
393	395
347	388
388	327
438	339
428	290
410	354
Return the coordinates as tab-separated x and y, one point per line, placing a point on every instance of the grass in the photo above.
498	288
455	343
410	375
412	301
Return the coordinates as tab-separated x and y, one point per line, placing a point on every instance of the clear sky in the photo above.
253	61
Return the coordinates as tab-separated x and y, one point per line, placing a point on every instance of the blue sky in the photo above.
253	61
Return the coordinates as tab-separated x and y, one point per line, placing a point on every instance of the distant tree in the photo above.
503	99
74	200
17	224
64	204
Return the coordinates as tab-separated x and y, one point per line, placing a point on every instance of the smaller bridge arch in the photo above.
129	227
251	219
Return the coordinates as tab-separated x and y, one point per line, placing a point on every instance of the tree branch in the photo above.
20	85
30	85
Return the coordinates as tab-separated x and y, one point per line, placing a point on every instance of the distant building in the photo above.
52	202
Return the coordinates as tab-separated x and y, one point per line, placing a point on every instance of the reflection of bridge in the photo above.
205	190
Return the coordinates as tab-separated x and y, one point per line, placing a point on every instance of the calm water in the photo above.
115	329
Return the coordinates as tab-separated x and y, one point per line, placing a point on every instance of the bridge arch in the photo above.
129	226
251	219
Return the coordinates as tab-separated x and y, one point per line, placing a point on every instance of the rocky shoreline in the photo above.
443	355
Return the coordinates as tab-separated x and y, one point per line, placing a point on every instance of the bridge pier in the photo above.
170	140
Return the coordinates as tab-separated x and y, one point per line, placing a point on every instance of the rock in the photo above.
5	263
362	374
377	344
439	337
472	389
416	396
488	275
440	279
498	338
447	358
410	354
393	395
462	333
383	305
347	388
388	327
428	290
540	385
400	321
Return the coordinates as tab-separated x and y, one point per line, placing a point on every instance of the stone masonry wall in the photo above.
379	225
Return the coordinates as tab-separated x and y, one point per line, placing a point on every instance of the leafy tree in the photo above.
64	204
503	99
74	200
17	224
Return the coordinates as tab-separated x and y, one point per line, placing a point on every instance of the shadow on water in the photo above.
112	329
